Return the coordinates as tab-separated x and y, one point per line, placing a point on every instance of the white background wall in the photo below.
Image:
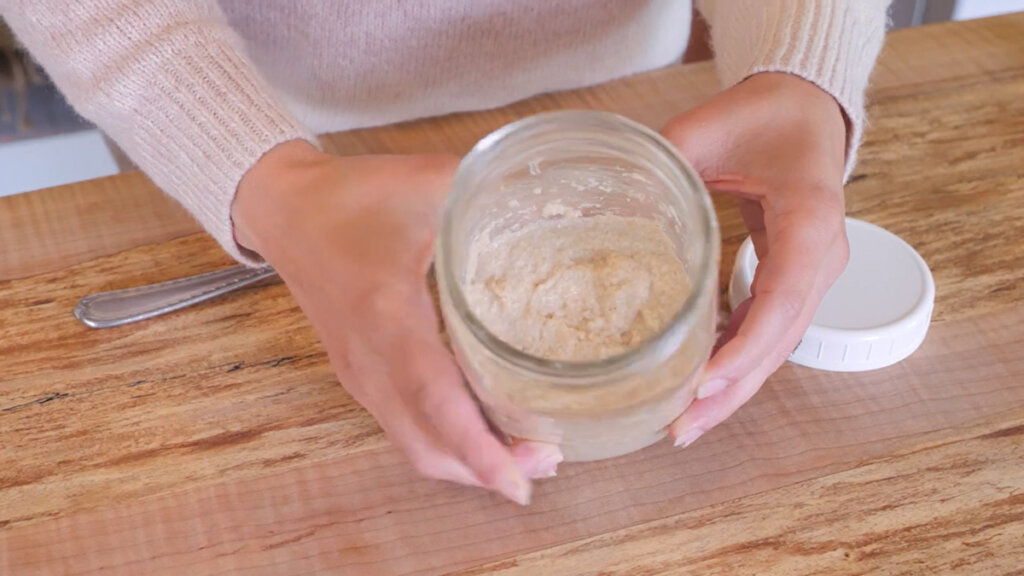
53	160
967	9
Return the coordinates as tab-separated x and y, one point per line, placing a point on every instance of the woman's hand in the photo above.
777	143
352	238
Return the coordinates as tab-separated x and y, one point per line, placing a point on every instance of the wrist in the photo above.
809	98
269	190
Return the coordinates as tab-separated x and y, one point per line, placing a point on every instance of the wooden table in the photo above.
217	441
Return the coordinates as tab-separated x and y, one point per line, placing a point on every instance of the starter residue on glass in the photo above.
576	288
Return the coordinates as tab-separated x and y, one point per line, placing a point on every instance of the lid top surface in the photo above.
884	281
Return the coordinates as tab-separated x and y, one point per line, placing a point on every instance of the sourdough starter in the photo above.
575	288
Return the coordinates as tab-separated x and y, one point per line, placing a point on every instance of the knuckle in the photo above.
829	198
430	396
387	299
790	303
428	381
822	187
425	465
489	475
429	362
781	355
675	131
427	398
438	164
842	255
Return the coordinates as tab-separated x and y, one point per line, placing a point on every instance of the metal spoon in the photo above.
107	309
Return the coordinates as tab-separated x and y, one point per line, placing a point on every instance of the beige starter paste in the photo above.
576	288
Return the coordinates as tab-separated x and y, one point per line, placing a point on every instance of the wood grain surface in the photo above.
49	229
839	524
217	441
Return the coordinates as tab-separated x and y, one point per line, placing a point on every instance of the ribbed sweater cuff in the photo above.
832	43
213	123
170	83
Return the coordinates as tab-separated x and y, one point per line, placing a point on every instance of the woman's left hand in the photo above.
778	144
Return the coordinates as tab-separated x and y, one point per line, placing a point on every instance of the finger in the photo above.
415	440
442	399
787	292
706	413
402	425
536	459
790	282
733	326
753	217
769	332
416	437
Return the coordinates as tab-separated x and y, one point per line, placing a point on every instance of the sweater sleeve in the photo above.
832	43
169	81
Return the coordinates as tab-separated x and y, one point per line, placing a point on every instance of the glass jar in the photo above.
597	164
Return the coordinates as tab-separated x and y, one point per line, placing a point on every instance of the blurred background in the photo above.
43	143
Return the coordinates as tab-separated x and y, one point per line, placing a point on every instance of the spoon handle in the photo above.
107	309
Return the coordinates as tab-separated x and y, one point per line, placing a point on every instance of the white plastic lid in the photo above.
876	314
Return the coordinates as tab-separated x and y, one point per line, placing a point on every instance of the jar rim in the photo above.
651	350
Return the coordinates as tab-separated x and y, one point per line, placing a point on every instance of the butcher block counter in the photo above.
216	440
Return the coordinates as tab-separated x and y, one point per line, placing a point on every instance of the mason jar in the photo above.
592	163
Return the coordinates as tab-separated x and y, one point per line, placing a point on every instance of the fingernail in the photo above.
547	452
689	437
514	487
711	387
548	466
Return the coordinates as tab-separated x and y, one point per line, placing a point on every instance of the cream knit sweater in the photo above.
195	91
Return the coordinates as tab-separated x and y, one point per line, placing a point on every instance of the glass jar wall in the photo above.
590	164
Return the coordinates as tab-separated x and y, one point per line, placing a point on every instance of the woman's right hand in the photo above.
352	237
